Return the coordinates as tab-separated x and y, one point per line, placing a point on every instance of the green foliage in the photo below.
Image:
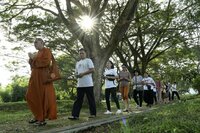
19	87
156	28
62	95
177	64
13	106
196	83
5	95
16	90
65	87
18	93
179	117
125	127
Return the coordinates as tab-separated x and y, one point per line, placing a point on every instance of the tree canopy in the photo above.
146	35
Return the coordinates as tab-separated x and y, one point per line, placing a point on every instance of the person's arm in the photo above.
113	76
120	78
129	77
153	82
91	70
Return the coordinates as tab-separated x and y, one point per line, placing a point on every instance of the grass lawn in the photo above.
166	118
177	117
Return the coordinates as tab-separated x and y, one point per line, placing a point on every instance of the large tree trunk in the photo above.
99	68
90	42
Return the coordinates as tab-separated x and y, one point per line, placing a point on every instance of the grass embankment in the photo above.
176	117
14	117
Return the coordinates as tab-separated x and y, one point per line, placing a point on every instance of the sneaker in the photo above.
119	111
73	118
107	112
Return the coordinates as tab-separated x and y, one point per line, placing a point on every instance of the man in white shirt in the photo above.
174	91
84	70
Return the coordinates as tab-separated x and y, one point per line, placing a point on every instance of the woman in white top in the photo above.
110	76
149	84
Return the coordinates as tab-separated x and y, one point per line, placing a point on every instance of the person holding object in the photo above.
40	95
110	76
84	70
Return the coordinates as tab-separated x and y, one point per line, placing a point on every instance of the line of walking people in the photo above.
41	98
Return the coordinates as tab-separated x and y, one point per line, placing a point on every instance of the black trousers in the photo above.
112	92
138	97
79	101
170	95
175	93
148	97
155	97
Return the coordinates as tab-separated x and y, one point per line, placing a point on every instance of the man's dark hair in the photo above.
81	49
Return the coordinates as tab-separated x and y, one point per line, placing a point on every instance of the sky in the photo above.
7	55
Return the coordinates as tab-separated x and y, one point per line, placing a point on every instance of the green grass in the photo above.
176	117
14	117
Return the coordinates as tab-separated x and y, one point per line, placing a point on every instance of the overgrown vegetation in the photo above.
196	83
178	117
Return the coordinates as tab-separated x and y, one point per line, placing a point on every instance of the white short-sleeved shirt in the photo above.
108	83
173	87
82	66
149	81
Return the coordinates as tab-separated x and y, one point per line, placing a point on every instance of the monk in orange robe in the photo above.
40	96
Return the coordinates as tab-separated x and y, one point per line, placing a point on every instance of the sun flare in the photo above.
86	23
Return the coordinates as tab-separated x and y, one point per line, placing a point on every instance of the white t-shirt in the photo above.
150	82
82	66
173	87
108	83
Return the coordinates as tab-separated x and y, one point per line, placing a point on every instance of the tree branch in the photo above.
122	25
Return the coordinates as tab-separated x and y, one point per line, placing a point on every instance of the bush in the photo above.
62	95
5	95
18	93
196	84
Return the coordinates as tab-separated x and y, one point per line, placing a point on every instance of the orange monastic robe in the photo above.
40	96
